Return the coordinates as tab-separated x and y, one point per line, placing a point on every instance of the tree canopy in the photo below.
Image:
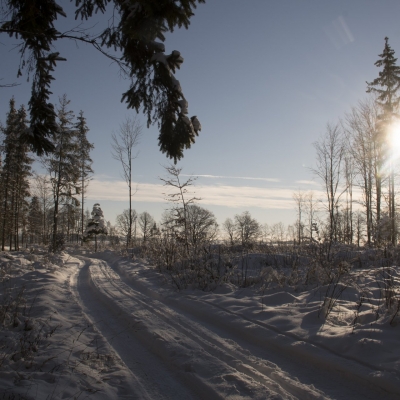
135	34
388	83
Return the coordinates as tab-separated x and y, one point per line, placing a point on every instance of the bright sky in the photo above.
264	79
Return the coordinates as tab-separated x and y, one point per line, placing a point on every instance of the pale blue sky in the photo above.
264	78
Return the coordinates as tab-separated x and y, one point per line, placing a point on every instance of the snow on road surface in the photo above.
124	333
199	345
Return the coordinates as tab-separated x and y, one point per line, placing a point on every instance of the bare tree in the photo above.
311	209
123	145
278	232
229	228
179	196
265	232
291	234
330	154
364	146
348	171
299	199
124	221
360	221
247	228
146	223
203	226
42	189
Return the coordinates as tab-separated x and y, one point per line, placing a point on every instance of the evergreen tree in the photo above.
388	82
14	176
22	172
10	134
85	162
137	33
62	165
386	86
96	225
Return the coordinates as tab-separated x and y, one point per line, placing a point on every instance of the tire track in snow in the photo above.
126	384
153	379
266	374
341	377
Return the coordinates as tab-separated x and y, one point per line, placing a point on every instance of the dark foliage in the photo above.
136	37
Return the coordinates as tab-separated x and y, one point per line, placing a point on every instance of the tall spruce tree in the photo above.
386	86
85	162
22	172
388	82
15	174
10	134
63	165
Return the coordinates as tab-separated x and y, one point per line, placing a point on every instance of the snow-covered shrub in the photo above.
382	233
388	282
12	304
336	286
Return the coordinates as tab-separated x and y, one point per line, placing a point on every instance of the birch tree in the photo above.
330	151
299	199
146	223
229	228
311	211
42	190
123	145
125	221
361	133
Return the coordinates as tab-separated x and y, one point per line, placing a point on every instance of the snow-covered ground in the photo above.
105	327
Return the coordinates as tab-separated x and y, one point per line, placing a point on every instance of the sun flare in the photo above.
395	139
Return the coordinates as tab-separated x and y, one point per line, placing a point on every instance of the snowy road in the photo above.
185	347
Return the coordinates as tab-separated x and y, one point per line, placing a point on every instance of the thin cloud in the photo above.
339	33
228	196
245	196
249	178
118	191
305	182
